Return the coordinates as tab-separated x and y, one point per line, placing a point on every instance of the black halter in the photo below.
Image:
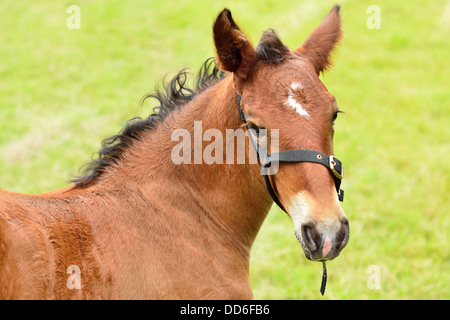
299	155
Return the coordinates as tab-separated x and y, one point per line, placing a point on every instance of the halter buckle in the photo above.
338	171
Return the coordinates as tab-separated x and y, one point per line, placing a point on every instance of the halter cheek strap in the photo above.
299	155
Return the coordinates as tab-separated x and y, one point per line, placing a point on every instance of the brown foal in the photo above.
138	225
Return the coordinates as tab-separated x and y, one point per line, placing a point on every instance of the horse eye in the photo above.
256	128
335	115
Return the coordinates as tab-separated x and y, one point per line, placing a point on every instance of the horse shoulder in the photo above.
43	240
21	242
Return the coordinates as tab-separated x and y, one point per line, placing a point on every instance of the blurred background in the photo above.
64	87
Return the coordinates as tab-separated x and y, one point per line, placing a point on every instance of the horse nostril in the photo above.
344	233
309	235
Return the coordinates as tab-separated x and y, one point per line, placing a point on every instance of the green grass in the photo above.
62	91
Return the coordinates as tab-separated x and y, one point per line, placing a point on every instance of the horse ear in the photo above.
234	52
322	40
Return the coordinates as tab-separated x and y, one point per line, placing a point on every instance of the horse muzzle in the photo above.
323	240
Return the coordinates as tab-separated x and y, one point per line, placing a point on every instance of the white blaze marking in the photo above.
298	209
294	103
296	85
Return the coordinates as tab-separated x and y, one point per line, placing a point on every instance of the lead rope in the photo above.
324	278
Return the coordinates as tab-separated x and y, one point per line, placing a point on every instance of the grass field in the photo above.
62	91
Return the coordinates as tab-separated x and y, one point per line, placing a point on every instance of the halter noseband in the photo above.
298	155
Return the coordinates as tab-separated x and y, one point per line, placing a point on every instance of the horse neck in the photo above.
232	196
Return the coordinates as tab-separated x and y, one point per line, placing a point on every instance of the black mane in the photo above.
174	95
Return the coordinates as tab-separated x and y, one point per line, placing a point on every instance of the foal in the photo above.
139	226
